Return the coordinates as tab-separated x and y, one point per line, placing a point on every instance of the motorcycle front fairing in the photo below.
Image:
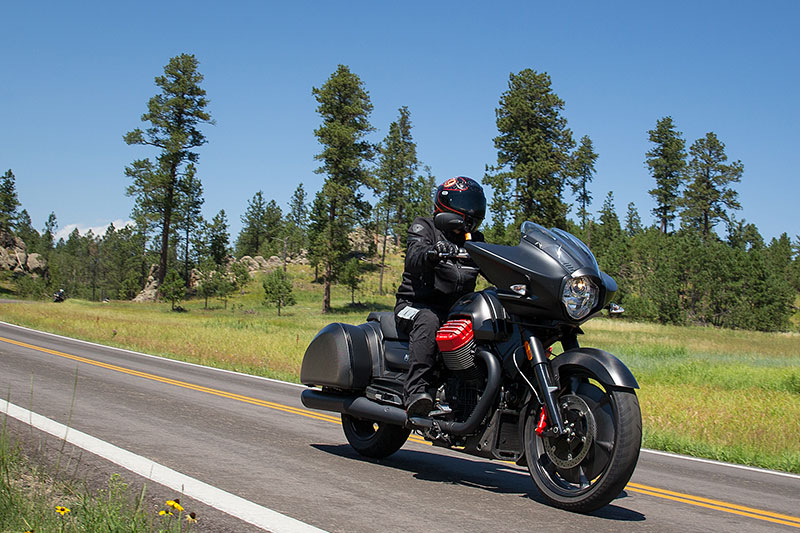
542	263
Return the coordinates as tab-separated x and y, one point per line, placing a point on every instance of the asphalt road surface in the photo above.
251	440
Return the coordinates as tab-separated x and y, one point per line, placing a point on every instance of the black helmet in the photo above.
463	197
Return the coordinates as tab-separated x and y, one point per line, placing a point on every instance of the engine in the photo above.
456	342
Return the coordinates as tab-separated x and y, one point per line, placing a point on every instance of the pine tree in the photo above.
27	233
352	275
533	155
666	161
709	191
396	167
49	234
255	227
608	241
420	201
174	116
278	289
344	106
173	288
218	239
633	222
582	174
297	222
9	202
188	215
743	236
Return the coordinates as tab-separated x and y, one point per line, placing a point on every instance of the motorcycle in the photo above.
59	296
573	418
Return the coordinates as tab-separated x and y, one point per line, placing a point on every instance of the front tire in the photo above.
588	466
373	439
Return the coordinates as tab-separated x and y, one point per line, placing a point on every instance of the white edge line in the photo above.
226	502
720	463
162	358
655	452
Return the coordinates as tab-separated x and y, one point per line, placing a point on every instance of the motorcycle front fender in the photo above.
605	367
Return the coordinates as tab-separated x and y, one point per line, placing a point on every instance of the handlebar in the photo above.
460	256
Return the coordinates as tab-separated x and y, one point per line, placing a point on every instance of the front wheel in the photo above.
589	465
373	439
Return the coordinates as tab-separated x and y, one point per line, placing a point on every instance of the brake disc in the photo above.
568	450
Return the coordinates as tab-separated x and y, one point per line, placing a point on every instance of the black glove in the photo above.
441	247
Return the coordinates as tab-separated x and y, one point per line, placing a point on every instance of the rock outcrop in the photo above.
14	256
150	291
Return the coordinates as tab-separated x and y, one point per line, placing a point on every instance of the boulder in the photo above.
36	264
262	263
251	264
7	261
274	261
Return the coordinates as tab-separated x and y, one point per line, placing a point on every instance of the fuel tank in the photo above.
490	322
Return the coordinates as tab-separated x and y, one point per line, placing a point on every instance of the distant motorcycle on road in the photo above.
59	296
573	418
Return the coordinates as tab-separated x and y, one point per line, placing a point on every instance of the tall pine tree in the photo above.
396	167
260	223
666	161
533	157
344	106
582	174
708	193
174	116
9	202
297	221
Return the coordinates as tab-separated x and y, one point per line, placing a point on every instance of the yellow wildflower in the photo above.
175	504
61	510
164	513
191	517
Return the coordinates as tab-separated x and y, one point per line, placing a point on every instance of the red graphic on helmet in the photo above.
455	184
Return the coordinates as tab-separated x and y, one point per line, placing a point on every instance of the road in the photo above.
251	438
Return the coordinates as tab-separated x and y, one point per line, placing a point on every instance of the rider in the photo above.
431	284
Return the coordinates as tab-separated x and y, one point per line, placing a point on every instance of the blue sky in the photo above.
77	76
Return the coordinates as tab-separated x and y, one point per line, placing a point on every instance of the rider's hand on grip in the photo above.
441	249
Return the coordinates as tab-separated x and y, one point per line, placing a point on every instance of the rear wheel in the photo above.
588	466
373	439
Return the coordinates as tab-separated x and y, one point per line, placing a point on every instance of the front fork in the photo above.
544	379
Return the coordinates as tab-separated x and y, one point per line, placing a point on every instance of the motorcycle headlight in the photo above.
580	296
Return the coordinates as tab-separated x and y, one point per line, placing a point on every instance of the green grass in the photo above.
723	394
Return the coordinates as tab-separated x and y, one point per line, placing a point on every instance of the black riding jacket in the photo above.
440	284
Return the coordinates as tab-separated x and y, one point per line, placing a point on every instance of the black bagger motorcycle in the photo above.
572	418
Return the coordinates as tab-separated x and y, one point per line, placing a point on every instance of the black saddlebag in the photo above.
340	356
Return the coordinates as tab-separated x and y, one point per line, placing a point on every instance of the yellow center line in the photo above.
716	504
633	487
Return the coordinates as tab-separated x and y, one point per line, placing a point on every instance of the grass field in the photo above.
722	394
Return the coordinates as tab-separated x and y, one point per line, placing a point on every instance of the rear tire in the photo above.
590	469
373	439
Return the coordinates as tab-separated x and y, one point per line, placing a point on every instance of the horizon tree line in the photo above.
537	160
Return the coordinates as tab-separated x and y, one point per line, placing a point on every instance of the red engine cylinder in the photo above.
456	342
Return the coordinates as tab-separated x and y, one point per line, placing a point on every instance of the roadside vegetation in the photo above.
35	499
731	395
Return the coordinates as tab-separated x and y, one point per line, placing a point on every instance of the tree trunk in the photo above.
285	239
186	257
383	254
162	264
326	294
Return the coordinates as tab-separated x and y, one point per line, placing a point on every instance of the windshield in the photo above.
564	247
